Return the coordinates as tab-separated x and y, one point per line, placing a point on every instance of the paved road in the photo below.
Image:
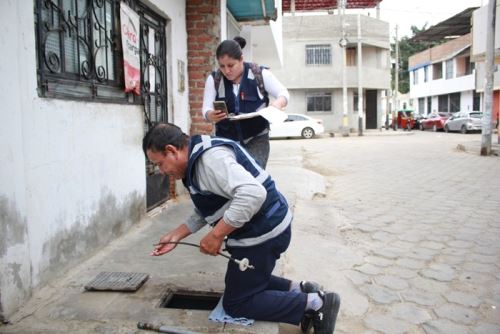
407	231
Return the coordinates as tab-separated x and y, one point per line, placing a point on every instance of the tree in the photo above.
407	48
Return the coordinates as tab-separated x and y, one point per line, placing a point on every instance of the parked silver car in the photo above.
464	122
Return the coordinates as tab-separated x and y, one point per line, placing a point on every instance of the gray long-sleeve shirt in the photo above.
218	172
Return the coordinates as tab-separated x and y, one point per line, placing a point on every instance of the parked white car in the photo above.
297	125
464	122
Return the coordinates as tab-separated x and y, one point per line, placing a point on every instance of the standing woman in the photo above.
238	86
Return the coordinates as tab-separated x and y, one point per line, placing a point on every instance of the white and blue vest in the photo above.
274	215
247	101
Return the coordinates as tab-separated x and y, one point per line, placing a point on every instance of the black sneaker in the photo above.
324	319
308	287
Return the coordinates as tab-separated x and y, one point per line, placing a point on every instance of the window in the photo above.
292	118
355	101
415	77
79	52
421	104
454	102
318	54
77	49
449	69
443	103
476	102
351	56
437	71
319	102
426	73
429	104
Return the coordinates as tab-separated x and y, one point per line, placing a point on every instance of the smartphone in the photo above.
221	105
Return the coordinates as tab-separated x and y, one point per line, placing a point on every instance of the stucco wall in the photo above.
479	33
480	74
332	120
72	176
299	78
299	31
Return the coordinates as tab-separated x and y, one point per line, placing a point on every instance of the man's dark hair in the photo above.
163	134
231	48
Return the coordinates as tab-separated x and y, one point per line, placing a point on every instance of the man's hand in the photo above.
216	115
164	245
211	244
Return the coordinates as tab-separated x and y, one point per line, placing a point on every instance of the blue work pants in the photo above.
257	294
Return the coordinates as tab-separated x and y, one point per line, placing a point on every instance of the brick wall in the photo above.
203	30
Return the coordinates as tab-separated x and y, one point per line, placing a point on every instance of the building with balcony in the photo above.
312	67
442	78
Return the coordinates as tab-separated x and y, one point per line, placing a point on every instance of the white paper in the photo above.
271	114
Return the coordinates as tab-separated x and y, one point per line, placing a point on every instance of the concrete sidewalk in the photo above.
475	147
64	306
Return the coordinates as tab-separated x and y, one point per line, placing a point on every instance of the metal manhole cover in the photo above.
117	281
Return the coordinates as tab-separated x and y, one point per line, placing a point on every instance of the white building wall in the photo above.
481	74
466	99
14	248
440	86
479	33
73	173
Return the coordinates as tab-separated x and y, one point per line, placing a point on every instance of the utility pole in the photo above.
488	88
396	83
360	81
343	45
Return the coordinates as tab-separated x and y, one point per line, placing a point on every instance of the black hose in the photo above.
243	264
191	244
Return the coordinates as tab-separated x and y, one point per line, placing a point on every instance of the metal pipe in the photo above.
263	5
163	328
243	264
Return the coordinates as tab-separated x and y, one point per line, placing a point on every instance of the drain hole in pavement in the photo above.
191	300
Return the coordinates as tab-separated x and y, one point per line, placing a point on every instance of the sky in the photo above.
406	13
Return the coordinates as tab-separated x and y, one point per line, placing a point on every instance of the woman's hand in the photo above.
215	116
280	103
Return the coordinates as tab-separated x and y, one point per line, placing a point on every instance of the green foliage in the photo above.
407	48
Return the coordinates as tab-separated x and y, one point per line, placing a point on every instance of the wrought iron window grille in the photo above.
79	50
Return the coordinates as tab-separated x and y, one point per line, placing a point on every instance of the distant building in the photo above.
451	76
312	68
442	78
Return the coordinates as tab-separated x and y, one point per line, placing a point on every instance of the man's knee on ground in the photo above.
233	309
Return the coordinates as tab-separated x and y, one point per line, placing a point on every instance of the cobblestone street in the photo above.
407	231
